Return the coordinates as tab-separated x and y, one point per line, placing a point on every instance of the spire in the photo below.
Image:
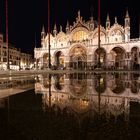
127	26
60	28
107	18
55	30
107	21
79	18
43	32
43	29
127	19
67	26
67	23
116	20
79	14
127	13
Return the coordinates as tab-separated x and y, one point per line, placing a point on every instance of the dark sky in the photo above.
26	17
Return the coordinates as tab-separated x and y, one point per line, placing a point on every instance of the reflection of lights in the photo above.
101	60
101	80
85	103
10	78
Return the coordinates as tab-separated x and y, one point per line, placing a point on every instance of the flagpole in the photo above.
7	35
99	64
49	46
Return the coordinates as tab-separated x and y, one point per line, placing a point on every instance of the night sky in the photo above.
26	17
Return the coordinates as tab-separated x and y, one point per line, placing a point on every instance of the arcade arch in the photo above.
59	59
118	59
78	57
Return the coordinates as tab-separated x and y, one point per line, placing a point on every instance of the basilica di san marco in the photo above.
77	47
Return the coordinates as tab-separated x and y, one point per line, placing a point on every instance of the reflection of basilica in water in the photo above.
105	94
77	47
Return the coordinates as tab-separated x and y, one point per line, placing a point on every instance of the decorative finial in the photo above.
79	15
60	28
67	24
116	20
107	18
55	28
43	29
127	14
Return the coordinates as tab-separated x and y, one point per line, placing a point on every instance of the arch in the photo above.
80	106
78	57
116	33
79	35
59	82
100	57
78	85
135	48
135	57
80	28
118	85
61	36
45	60
102	32
116	27
117	57
46	80
134	87
102	36
100	83
59	59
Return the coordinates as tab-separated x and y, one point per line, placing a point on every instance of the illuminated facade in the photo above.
17	59
77	48
101	93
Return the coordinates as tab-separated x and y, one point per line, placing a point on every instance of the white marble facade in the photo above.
77	47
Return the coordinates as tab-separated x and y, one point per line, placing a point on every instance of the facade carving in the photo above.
77	47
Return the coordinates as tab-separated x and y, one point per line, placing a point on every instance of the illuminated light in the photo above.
101	80
79	36
101	60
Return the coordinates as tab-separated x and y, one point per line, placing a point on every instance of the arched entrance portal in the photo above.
59	60
134	54
45	61
118	61
78	58
100	57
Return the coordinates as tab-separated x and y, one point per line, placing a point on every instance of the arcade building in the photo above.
77	47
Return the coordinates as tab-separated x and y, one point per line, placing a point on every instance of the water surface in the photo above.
101	106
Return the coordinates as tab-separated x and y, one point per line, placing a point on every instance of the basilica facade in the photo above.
78	47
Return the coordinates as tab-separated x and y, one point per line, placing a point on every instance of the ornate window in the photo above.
79	36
